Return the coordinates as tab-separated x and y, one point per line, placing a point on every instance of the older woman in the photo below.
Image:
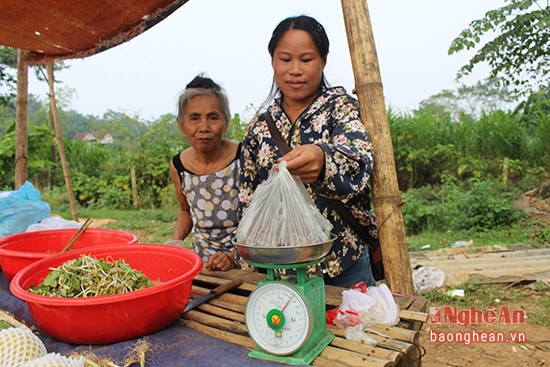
206	175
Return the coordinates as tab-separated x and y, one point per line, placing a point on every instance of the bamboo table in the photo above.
223	318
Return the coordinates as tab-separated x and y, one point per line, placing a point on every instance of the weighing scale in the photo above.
286	317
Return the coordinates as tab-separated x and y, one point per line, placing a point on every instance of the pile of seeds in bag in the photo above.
282	213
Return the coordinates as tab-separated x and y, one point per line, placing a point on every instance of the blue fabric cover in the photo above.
176	345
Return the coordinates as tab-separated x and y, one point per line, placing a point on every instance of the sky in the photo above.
227	41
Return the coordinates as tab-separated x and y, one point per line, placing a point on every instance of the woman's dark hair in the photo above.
304	23
200	81
317	33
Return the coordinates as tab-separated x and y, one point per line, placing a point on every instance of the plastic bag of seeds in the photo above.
282	213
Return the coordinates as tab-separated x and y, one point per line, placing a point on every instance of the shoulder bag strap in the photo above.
276	134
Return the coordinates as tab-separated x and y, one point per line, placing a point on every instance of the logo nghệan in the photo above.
453	315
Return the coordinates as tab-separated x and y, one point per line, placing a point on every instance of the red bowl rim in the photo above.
40	255
58	259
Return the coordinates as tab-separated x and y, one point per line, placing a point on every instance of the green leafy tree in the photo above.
8	81
120	125
533	114
235	130
35	107
8	75
518	53
535	107
73	122
7	118
151	158
39	161
471	100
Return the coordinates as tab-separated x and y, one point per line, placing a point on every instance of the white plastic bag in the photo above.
357	334
21	208
53	223
376	306
427	277
282	214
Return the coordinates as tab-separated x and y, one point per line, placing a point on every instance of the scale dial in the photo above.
278	318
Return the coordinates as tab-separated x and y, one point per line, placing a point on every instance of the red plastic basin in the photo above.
22	249
110	319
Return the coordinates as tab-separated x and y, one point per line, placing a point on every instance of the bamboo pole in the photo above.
133	182
59	142
21	123
385	187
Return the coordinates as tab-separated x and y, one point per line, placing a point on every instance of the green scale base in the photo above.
313	290
304	356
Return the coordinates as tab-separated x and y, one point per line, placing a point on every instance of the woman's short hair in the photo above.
199	86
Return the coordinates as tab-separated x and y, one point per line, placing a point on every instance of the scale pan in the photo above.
282	255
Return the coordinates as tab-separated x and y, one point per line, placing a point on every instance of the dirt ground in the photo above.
442	348
533	351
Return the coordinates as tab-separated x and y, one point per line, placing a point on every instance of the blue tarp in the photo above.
21	208
174	346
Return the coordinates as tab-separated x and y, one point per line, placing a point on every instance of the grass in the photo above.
536	234
149	225
157	225
543	317
481	296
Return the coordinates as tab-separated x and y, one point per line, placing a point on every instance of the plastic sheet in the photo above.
21	208
357	334
365	306
53	223
427	277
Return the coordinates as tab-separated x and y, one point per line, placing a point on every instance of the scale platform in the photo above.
223	317
286	317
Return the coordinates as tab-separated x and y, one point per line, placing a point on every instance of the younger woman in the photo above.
330	149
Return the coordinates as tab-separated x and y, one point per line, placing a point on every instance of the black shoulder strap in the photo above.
239	149
276	135
178	165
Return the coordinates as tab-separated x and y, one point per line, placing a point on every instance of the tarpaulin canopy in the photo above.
65	29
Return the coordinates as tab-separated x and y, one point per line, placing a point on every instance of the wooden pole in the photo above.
21	119
59	142
133	182
385	187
